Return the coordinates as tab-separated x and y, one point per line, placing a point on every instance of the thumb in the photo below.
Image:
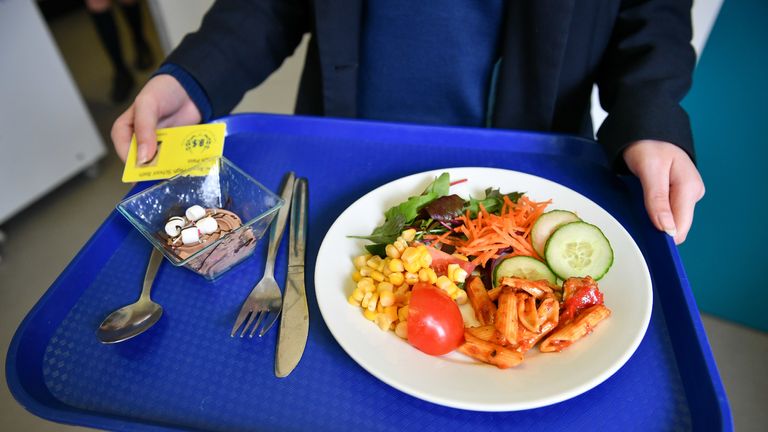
145	122
656	195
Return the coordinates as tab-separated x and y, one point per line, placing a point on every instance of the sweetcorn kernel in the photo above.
386	298
372	302
401	329
396	265
425	259
411	278
356	276
401	294
452	290
391	311
377	276
460	275
456	273
366	299
424	275
373	262
460	256
386	270
408	235
400	244
410	255
370	315
412	267
432	275
383	321
396	278
392	251
402	313
461	297
444	283
359	261
358	294
366	284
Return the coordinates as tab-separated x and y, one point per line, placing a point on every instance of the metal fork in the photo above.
265	301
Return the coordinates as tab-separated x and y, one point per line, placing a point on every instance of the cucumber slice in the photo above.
578	249
546	224
523	267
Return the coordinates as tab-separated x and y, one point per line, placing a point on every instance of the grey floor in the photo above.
83	203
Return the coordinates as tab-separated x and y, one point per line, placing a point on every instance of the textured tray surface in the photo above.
187	373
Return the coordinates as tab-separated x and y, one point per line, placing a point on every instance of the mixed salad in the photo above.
528	273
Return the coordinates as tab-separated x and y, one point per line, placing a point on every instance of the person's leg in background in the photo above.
132	10
104	20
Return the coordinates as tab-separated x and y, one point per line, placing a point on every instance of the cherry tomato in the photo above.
435	325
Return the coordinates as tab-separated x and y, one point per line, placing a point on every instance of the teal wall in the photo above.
726	253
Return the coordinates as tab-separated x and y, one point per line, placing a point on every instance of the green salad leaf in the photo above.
403	214
410	208
433	220
492	202
390	229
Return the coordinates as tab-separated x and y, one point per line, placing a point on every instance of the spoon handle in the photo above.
154	264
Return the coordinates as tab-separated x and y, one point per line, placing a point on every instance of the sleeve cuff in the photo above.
640	116
191	86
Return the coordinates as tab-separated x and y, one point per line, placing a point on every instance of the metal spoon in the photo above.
134	319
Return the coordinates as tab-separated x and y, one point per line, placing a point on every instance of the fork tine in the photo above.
248	323
240	319
271	319
255	327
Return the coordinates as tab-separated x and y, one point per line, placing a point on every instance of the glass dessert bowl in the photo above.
206	219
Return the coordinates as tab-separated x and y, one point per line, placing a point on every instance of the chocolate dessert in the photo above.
201	228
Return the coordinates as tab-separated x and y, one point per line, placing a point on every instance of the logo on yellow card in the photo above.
198	142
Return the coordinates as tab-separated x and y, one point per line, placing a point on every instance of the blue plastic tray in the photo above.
188	374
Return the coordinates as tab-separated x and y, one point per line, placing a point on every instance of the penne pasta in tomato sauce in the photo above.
579	327
506	320
519	314
485	309
488	352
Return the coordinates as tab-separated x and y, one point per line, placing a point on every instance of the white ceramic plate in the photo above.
455	380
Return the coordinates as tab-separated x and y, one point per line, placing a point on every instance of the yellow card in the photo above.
178	149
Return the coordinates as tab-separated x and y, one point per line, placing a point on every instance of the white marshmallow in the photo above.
190	236
194	213
207	225
174	226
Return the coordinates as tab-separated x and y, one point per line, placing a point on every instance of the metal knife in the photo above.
294	324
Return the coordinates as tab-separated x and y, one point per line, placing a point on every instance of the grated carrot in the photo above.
485	236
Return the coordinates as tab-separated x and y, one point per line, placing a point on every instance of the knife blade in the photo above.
294	324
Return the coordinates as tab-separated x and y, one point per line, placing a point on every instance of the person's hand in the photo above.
671	184
162	102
